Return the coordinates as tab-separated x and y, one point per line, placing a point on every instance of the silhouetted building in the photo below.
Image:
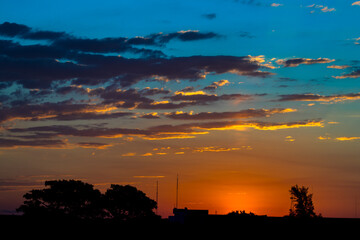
188	215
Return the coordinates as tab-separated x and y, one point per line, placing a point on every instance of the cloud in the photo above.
153	91
94	145
25	32
130	154
153	115
338	66
219	149
322	8
353	74
276	4
289	139
46	134
148	176
64	111
217	84
200	97
134	99
248	113
48	143
184	35
146	155
347	138
326	9
356	3
266	126
90	69
319	98
294	62
209	16
86	61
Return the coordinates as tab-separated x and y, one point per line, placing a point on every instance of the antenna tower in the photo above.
177	190
157	195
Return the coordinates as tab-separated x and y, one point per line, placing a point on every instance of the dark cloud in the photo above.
25	32
320	98
215	85
248	113
15	50
294	62
152	133
162	38
204	98
13	29
62	130
89	68
209	16
58	111
150	116
353	74
245	34
89	116
48	143
188	89
87	61
165	105
153	91
70	89
96	145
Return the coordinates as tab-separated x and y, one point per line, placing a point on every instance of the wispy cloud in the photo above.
294	62
248	113
320	98
353	74
347	138
322	8
276	4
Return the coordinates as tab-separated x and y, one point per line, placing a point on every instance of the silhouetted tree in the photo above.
64	198
303	204
126	203
79	200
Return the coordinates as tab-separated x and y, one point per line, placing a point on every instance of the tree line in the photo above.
78	200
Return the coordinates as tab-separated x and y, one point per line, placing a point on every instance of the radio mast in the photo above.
157	196
177	190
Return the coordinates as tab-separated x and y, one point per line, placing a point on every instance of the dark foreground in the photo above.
216	226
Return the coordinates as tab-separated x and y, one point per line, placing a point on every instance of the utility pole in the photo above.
157	196
177	190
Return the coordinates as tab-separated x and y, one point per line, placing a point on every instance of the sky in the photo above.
241	99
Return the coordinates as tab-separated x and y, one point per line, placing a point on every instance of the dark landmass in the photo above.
222	226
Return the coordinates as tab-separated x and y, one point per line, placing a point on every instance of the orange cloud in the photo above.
241	126
148	176
215	149
146	155
130	154
94	145
338	66
248	113
347	138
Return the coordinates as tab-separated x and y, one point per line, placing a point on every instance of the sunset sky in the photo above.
240	98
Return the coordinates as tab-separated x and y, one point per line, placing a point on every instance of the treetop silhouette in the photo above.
303	205
76	199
